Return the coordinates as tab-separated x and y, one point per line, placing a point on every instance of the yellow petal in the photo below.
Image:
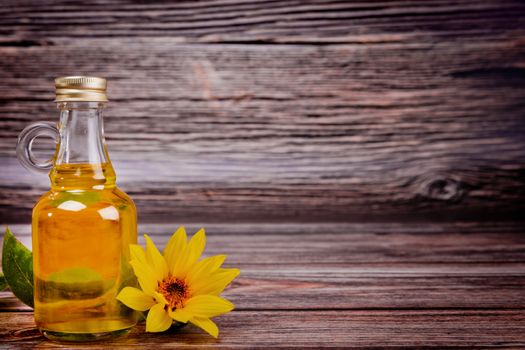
215	283
208	325
135	299
175	247
137	253
204	268
180	315
160	298
156	260
191	254
158	319
196	246
145	275
207	306
178	269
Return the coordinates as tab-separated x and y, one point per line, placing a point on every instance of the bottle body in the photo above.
81	243
81	231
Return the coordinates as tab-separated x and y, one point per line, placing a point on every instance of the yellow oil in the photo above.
82	229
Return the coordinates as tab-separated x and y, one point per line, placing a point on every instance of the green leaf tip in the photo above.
3	282
17	265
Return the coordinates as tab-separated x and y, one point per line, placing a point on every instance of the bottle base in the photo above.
83	337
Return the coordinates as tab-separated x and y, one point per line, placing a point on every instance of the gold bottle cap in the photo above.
81	89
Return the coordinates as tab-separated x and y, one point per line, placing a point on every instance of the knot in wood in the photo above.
444	189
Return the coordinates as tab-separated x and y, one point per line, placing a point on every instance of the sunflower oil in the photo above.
81	240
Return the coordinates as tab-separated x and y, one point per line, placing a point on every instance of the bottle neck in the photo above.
81	161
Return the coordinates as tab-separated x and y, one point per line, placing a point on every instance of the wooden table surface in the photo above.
345	285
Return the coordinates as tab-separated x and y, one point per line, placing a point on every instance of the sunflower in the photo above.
176	285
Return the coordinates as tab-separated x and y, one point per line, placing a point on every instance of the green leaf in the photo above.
3	282
17	264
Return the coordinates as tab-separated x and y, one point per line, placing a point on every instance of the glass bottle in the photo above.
82	227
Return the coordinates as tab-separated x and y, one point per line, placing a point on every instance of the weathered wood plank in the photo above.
349	272
369	286
414	110
349	329
364	266
258	22
344	243
436	144
8	302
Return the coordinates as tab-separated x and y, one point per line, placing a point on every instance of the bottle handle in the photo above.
24	146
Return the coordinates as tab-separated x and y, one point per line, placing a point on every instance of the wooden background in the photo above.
362	163
243	111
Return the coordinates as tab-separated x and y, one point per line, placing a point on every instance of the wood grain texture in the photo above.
313	329
259	22
365	266
273	111
373	286
404	113
344	243
352	285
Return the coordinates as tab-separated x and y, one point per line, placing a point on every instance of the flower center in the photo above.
175	291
